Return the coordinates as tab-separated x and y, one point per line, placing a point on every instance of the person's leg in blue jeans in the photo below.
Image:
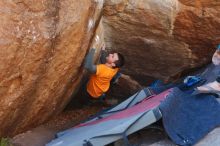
218	79
115	78
213	86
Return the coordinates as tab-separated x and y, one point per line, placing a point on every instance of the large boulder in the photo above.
161	38
42	47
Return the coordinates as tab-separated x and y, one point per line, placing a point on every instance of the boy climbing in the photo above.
102	74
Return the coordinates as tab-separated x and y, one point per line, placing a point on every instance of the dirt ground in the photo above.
43	134
153	135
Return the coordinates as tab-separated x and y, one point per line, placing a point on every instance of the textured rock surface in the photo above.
42	46
162	37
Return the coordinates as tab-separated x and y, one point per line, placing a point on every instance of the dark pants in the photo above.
218	79
88	99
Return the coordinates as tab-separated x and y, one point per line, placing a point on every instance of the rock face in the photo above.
42	47
161	38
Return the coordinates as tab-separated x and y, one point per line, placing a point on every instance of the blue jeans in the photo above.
218	79
115	78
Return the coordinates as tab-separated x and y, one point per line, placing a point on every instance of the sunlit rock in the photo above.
42	47
161	38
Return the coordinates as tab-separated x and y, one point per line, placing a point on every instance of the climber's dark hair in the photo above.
120	62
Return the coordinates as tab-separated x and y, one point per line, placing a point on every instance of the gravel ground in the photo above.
41	135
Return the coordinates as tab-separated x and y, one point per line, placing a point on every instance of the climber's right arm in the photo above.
89	65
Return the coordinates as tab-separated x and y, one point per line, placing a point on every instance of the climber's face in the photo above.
112	58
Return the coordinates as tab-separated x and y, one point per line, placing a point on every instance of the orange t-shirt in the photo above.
100	82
